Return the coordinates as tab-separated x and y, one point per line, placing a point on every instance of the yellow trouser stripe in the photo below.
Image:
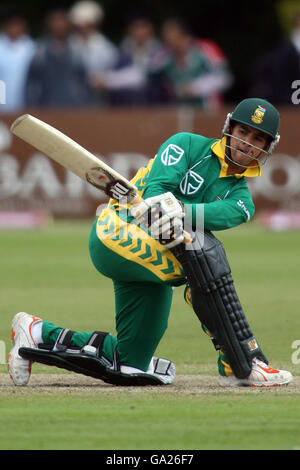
134	244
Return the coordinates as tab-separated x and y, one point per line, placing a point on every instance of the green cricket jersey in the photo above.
193	168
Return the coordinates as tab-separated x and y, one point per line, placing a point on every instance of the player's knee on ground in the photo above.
90	361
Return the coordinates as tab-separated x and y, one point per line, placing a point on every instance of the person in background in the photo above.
222	78
111	72
99	54
140	41
274	71
57	77
142	44
194	71
16	51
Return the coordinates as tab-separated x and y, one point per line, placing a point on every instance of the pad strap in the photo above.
63	341
97	339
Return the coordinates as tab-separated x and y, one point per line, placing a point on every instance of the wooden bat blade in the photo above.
77	159
73	156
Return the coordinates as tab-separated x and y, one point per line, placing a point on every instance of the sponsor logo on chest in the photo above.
191	183
172	155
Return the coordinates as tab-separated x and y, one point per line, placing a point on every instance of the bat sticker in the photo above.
104	181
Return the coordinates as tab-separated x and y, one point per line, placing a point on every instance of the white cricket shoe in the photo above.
21	335
261	375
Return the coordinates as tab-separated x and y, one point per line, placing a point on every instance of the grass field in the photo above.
48	272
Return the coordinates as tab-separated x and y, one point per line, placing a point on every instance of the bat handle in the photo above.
187	237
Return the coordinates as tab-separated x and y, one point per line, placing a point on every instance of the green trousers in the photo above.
143	296
140	323
143	274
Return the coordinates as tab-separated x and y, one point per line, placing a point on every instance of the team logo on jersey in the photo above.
258	115
191	183
172	155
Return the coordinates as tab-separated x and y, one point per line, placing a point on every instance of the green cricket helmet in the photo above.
259	114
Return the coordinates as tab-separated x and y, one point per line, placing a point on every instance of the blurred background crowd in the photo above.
73	62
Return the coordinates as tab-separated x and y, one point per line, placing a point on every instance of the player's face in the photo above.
246	144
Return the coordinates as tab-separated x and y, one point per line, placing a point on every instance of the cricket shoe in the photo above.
21	335
261	375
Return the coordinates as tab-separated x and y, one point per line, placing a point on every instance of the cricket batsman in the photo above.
194	184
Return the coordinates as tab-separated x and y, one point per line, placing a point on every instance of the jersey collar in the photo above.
218	149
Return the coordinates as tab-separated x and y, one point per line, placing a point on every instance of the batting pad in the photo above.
85	361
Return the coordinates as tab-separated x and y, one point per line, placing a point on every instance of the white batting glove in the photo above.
162	215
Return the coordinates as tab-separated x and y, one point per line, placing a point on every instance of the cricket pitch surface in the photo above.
183	385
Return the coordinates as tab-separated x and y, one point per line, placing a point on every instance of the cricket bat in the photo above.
74	157
77	159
